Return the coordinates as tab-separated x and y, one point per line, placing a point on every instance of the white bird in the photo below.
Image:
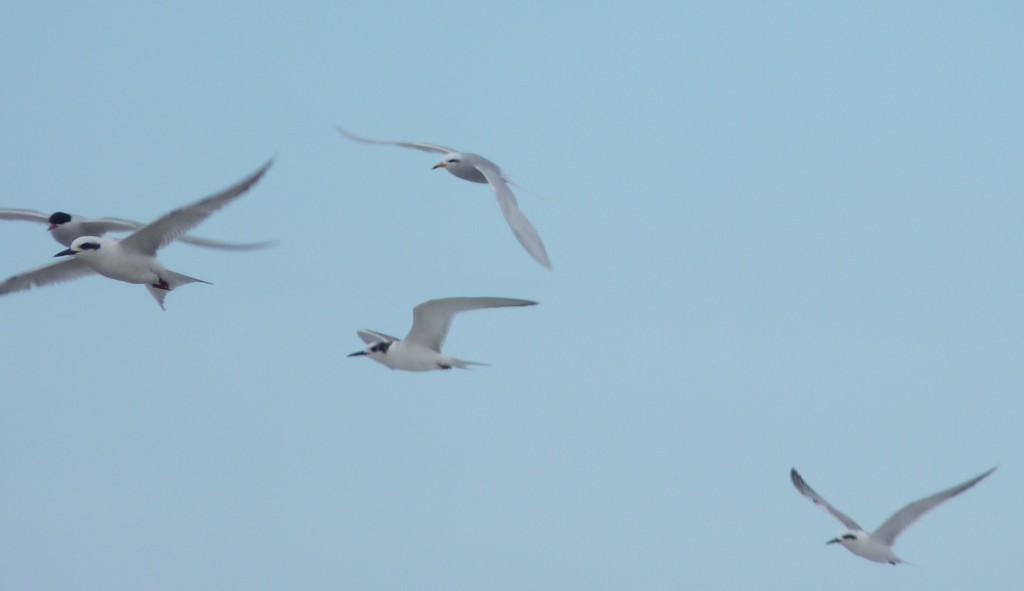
421	348
133	259
476	168
65	227
877	546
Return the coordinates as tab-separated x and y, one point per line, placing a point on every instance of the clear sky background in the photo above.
782	235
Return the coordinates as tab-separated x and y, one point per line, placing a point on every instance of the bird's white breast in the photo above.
867	547
114	262
413	358
466	169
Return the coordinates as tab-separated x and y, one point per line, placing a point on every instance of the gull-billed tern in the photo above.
877	546
420	350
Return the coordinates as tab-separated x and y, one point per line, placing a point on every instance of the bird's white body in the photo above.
112	261
411	357
110	258
133	259
65	227
466	166
475	168
863	545
67	232
421	348
877	545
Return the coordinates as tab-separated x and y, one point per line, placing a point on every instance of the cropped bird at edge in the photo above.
420	350
877	546
476	168
133	258
65	227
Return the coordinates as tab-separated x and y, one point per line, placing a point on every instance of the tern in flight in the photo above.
420	350
476	168
133	258
877	546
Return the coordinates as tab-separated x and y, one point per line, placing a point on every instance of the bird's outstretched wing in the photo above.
901	520
219	245
46	275
371	336
817	499
521	227
171	226
24	215
431	320
100	226
423	146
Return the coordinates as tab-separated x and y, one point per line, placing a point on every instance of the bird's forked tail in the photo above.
463	364
170	280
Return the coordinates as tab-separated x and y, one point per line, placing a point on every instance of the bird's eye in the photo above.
90	246
849	537
454	160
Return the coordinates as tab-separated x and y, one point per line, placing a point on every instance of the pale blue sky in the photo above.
782	234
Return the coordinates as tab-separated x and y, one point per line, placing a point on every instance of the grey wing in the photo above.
90	227
521	227
371	336
171	226
808	492
431	320
208	243
47	275
423	146
24	215
100	226
902	519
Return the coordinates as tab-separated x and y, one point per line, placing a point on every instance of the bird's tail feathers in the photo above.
158	295
173	280
177	279
463	364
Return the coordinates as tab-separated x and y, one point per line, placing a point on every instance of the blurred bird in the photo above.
476	168
65	227
133	259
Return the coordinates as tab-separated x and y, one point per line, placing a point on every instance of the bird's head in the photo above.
58	219
374	350
83	244
451	160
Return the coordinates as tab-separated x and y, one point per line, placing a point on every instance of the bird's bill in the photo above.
832	541
356	354
64	253
52	228
438	165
